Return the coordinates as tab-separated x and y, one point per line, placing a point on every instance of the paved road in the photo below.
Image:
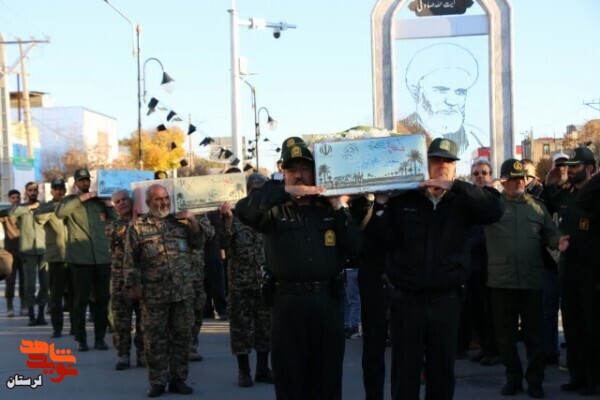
212	379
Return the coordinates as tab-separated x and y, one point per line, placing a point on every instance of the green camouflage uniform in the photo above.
206	234
250	318
121	304
158	259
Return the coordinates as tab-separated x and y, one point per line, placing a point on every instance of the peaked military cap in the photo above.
512	168
444	148
295	148
581	155
57	183
81	173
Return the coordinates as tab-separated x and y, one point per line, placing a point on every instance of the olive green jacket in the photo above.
515	244
33	238
56	232
85	221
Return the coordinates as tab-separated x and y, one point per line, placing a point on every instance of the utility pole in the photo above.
6	179
25	99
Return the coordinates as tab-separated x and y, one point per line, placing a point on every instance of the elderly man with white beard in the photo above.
439	90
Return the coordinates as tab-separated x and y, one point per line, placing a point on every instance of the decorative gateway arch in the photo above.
435	67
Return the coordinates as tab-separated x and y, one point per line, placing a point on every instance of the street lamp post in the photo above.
252	23
272	123
136	33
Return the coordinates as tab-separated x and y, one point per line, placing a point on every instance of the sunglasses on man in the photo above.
483	173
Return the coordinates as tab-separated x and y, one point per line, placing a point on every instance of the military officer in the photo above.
56	237
249	316
579	271
158	271
515	247
306	240
122	306
32	248
88	256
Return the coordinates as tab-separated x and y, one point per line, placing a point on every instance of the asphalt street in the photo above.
214	378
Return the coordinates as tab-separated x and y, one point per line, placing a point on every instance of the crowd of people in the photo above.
429	271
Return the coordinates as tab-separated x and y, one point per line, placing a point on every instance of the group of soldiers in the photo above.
287	243
149	266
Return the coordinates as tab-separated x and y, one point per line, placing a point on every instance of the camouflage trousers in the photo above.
123	308
249	321
198	306
167	339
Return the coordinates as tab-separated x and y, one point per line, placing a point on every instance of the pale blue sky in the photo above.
314	79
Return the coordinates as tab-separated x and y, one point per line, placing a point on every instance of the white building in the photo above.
63	128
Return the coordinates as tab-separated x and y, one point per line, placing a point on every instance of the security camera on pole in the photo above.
252	23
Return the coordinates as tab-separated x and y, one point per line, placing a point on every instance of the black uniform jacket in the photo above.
428	248
302	243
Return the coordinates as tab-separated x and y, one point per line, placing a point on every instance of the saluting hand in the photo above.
563	243
553	177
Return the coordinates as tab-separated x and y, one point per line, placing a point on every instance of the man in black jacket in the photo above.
425	232
306	240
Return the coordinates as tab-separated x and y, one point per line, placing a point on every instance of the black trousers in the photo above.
580	304
84	278
60	283
374	310
508	305
17	268
307	346
478	311
424	326
214	285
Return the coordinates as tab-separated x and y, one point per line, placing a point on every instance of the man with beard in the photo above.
516	245
158	271
306	240
580	272
56	236
88	256
32	248
439	90
122	306
11	245
425	232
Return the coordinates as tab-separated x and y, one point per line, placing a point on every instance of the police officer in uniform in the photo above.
580	272
426	234
306	239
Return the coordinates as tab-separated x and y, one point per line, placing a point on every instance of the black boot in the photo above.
32	321
263	373
244	378
40	318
